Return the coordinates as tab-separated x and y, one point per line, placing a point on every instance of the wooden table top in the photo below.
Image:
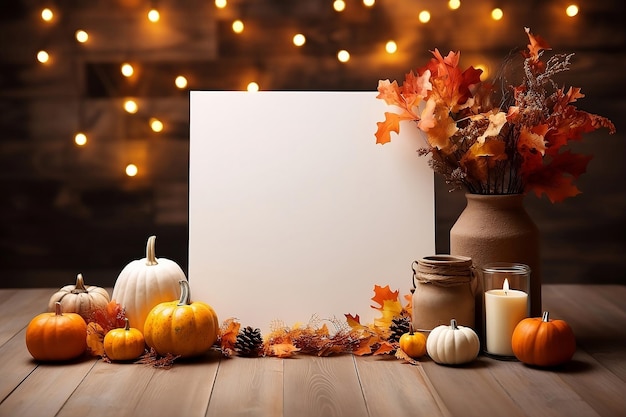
593	384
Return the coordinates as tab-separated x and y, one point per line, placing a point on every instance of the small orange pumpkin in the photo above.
413	344
56	336
542	341
181	327
124	343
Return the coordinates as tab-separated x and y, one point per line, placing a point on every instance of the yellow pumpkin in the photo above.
181	327
144	283
124	343
413	344
80	298
56	336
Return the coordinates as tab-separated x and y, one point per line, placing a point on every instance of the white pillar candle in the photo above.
504	309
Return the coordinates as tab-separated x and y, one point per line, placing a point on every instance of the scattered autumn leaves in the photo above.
321	337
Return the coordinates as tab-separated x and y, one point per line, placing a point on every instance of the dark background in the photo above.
67	209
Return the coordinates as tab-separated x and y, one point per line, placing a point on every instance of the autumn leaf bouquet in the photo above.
503	137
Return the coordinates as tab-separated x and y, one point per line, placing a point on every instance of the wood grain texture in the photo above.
183	390
248	387
21	308
117	388
405	389
322	387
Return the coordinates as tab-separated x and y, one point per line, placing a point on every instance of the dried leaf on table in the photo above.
95	339
228	336
152	358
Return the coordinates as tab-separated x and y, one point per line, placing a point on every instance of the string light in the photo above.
43	56
47	15
180	82
80	139
424	16
368	3
127	69
154	15
454	4
82	36
220	4
391	47
237	26
571	10
343	56
299	39
252	87
339	5
156	125
131	170
131	106
497	13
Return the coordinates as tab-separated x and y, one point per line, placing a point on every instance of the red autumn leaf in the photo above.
555	179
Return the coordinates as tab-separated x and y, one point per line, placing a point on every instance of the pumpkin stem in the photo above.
545	317
453	324
126	324
80	285
57	308
184	293
151	252
411	331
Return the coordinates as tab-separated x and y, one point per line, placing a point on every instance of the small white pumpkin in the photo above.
80	298
146	282
452	345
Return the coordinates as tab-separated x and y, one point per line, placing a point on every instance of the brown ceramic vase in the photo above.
497	228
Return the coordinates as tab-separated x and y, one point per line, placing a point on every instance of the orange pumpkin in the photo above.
124	343
181	327
542	341
56	336
413	344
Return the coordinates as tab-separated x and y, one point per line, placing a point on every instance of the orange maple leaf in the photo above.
95	339
282	350
536	45
228	335
382	294
384	347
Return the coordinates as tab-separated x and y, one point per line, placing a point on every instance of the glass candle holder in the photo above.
505	303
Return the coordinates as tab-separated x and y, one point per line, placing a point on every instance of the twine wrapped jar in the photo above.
445	288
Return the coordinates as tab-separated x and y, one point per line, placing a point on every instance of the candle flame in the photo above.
505	286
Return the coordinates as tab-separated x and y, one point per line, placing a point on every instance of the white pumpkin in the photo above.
452	345
146	282
80	298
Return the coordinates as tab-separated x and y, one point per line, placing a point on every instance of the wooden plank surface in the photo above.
322	387
409	391
248	387
592	384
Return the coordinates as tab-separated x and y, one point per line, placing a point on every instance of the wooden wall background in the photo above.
68	209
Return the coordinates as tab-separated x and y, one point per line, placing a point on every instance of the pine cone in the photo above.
398	327
249	342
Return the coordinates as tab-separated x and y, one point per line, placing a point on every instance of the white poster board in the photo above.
295	211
